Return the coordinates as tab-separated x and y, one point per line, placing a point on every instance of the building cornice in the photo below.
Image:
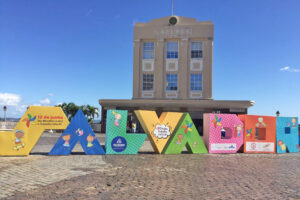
199	103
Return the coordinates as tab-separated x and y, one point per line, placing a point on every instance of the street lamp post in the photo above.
4	109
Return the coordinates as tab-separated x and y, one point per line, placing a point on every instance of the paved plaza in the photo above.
148	175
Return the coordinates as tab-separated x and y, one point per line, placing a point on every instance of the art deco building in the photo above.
172	70
173	59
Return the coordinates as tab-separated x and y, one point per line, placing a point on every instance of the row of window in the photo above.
172	50
172	82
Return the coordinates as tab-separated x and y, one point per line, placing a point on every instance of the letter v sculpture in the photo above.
159	129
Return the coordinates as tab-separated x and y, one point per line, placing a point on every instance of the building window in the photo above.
172	50
196	50
148	80
196	82
148	50
172	82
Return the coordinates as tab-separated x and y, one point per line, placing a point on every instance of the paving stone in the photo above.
149	176
43	171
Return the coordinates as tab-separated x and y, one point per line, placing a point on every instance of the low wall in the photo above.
7	125
96	127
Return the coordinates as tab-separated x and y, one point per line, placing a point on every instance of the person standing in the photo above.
133	127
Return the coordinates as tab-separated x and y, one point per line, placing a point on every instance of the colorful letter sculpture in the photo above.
32	125
78	130
158	129
287	134
117	141
223	133
185	134
259	134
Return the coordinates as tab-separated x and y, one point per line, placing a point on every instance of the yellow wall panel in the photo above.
31	126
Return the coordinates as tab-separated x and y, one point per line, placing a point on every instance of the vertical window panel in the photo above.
196	82
148	80
172	82
172	50
196	49
148	50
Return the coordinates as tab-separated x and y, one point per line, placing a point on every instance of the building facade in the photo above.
172	71
173	61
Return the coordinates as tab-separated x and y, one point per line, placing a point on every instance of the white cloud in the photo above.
21	108
45	101
15	105
289	69
9	99
286	68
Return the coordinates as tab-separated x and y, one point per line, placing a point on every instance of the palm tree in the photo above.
93	111
90	112
71	109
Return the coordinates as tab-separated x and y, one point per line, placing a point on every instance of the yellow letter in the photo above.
32	125
158	129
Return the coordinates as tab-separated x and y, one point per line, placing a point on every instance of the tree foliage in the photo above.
70	109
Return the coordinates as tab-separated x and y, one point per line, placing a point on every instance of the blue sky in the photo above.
54	51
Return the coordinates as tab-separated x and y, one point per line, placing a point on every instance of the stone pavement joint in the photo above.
25	173
149	176
186	176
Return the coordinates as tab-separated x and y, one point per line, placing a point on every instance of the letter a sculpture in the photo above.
78	130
